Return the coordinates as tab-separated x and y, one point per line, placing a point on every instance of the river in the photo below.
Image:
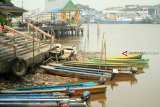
144	89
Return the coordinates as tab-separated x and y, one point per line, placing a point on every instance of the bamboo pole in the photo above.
102	47
98	31
88	31
84	50
105	55
33	54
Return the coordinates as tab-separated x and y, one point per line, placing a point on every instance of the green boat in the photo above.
130	61
136	56
119	66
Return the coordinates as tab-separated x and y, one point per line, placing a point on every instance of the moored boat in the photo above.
42	103
97	69
136	56
130	61
110	65
56	95
73	72
77	88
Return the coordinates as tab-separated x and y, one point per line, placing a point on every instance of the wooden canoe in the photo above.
78	88
130	61
73	72
96	66
110	65
135	56
56	95
42	103
122	73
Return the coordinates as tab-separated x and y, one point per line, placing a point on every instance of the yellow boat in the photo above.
108	64
135	56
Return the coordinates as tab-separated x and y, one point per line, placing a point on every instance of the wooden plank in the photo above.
22	34
10	46
39	30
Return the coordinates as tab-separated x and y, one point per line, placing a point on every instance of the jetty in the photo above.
64	30
19	50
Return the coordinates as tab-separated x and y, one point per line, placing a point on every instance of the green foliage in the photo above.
3	1
2	19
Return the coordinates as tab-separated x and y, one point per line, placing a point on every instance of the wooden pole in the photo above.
102	47
88	31
51	37
105	55
98	31
33	71
88	35
84	50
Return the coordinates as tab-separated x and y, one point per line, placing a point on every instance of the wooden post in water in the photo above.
88	35
88	31
84	50
33	70
98	31
102	48
105	55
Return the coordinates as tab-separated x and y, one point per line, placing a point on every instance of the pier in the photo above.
64	31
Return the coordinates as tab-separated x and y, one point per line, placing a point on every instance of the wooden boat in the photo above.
130	61
110	65
42	103
135	56
73	72
56	95
96	66
122	73
78	88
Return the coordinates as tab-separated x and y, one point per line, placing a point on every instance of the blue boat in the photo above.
42	103
56	95
42	100
77	88
73	72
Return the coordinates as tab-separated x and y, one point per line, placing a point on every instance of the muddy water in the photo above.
142	90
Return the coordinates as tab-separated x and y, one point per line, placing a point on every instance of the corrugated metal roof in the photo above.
55	10
11	9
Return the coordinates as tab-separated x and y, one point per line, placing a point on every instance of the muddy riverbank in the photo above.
40	78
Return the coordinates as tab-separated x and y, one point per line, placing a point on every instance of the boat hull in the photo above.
123	57
41	103
130	61
33	96
69	72
78	88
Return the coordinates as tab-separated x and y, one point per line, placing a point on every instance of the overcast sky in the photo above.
98	4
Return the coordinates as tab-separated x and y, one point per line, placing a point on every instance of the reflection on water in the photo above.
118	79
100	100
140	90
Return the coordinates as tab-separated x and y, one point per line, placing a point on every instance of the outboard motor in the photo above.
70	92
114	72
63	104
134	69
102	80
85	96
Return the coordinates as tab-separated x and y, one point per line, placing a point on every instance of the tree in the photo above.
2	19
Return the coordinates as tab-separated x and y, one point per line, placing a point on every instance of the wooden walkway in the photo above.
64	30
